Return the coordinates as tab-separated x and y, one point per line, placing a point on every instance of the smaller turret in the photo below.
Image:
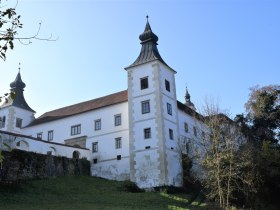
188	102
17	86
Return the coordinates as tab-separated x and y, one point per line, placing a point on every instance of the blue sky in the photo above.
219	48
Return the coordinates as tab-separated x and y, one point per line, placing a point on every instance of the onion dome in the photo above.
18	84
148	35
149	51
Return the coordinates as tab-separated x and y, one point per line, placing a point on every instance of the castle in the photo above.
137	134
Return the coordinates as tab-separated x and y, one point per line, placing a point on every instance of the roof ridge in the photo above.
79	103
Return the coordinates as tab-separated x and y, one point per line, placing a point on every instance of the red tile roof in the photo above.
82	107
97	103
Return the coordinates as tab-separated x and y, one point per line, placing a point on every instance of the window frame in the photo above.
95	147
194	131
144	83
76	129
18	122
145	107
97	124
169	108
118	119
147	133
50	135
118	143
171	134
167	85
3	121
40	135
186	127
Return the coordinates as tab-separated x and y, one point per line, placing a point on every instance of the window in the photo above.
75	129
145	107
118	143
169	108
147	133
95	147
50	135
167	85
39	135
18	122
95	161
118	120
144	83
97	124
171	134
186	127
119	157
2	122
194	131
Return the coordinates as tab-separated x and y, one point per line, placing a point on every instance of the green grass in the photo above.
82	193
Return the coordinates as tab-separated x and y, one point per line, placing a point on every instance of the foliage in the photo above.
227	170
129	186
84	166
263	113
10	24
5	144
24	165
191	183
5	97
261	125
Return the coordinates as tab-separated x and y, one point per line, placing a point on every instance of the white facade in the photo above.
26	143
137	134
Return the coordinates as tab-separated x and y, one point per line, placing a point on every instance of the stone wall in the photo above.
21	165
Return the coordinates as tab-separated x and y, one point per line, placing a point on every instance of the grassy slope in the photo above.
88	193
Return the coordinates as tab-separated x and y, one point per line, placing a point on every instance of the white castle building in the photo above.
137	134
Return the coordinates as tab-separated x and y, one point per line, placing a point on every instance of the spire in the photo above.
17	86
189	103
149	51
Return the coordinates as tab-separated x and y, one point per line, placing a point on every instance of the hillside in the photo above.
81	193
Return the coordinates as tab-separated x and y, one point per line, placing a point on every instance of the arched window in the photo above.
52	151
22	145
76	155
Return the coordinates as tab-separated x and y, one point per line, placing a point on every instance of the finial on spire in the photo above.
19	67
189	103
147	16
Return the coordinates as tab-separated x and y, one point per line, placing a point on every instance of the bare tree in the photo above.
9	25
225	159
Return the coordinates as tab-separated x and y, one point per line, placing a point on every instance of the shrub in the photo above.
129	186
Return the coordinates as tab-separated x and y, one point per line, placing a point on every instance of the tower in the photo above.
15	110
153	117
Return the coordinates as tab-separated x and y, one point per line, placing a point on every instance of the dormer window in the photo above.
18	122
39	135
2	122
144	83
167	85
